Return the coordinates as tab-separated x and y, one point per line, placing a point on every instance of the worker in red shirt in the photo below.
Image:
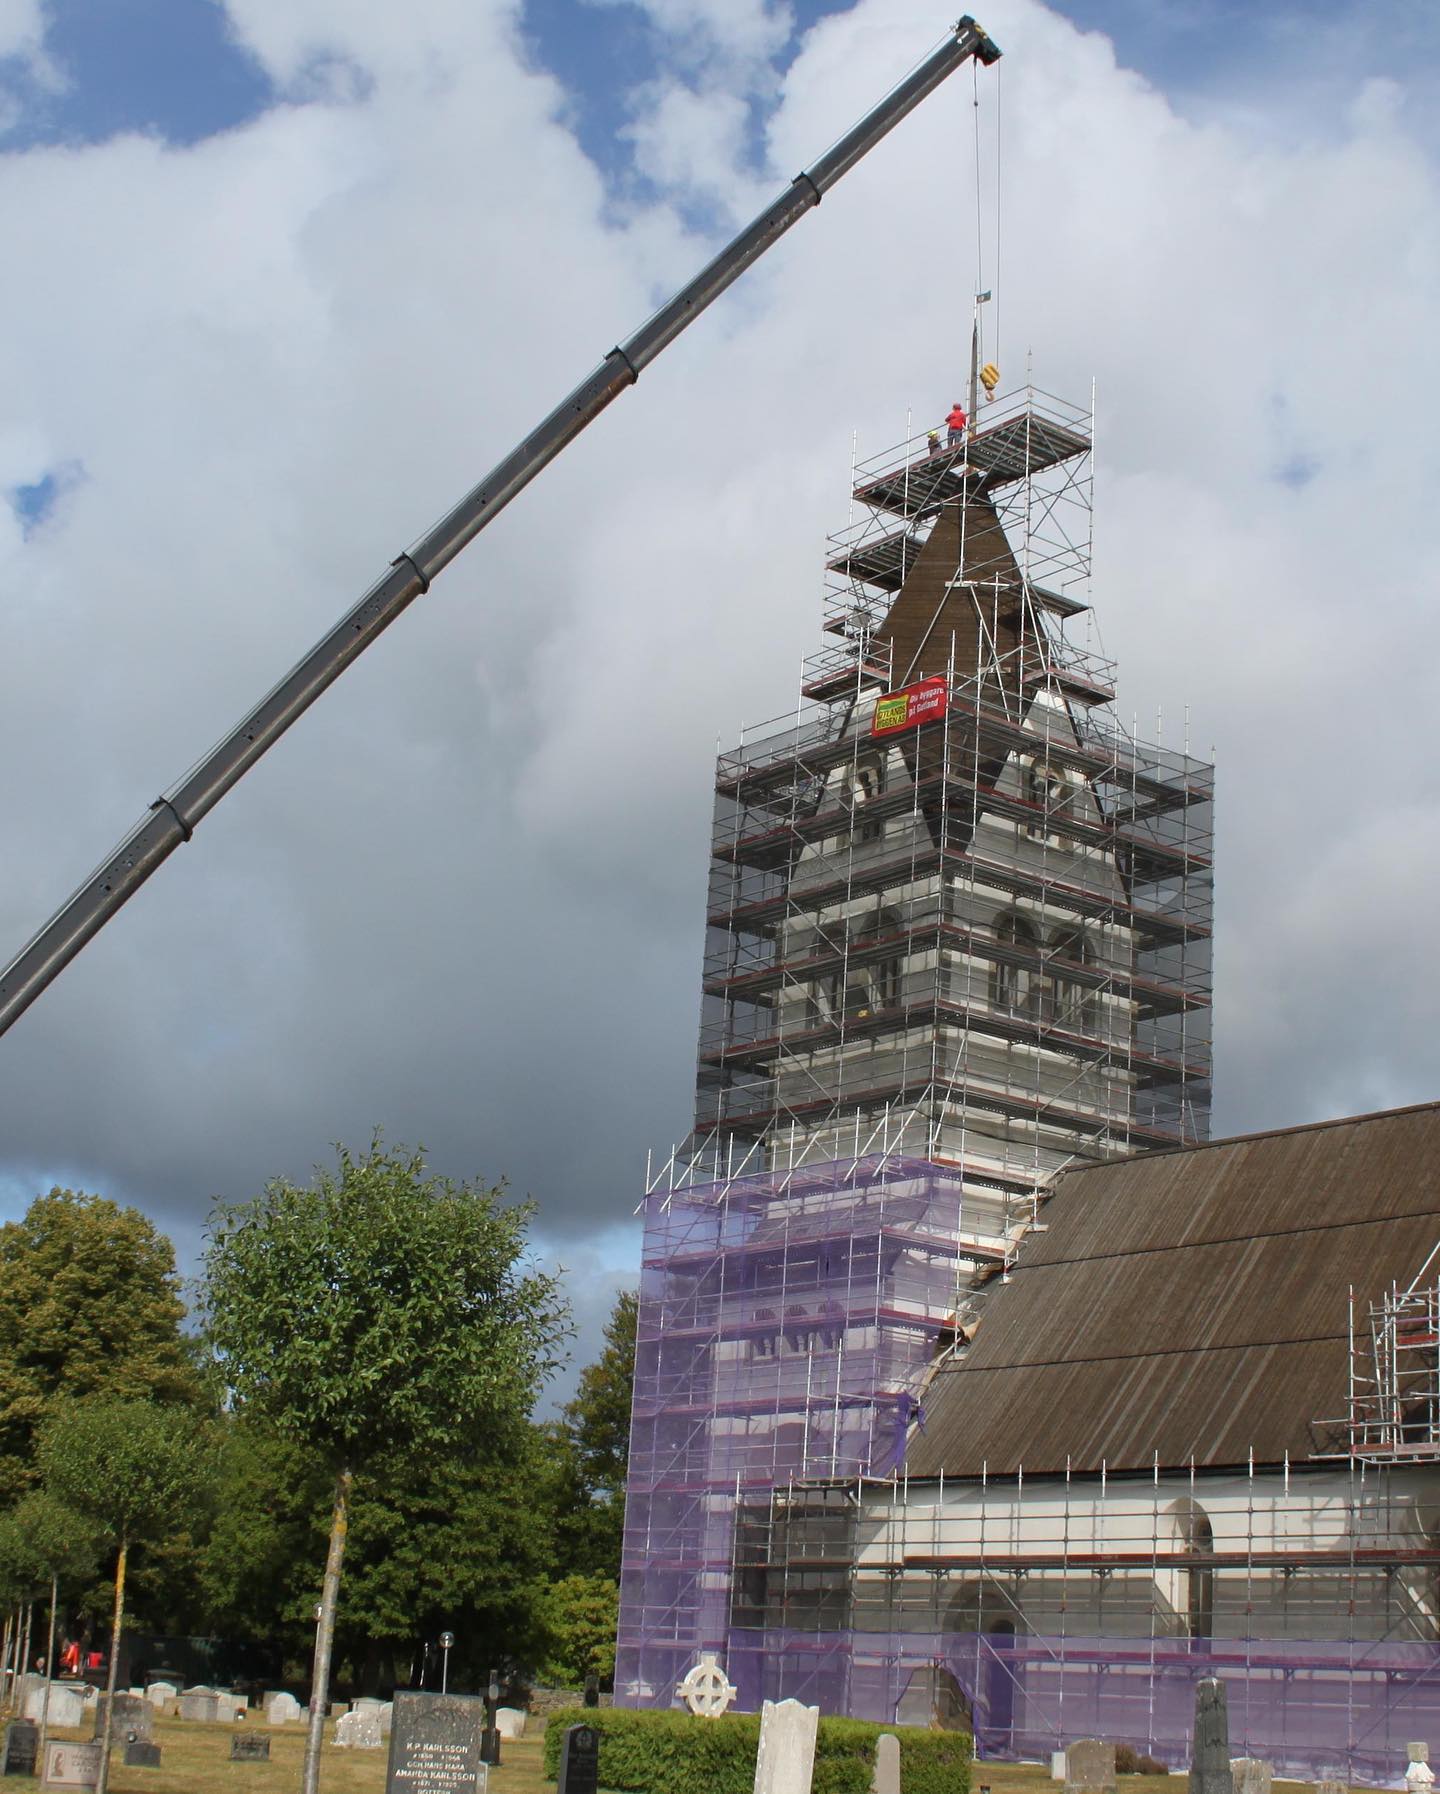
954	424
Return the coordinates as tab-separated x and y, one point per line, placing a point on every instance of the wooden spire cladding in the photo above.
966	585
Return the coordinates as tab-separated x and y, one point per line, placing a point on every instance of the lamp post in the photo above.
447	1639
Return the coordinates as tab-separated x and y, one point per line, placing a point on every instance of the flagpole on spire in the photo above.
980	299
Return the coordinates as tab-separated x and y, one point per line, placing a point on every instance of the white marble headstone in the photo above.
1253	1775
886	1776
359	1729
785	1761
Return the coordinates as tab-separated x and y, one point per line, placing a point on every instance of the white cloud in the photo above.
22	27
464	898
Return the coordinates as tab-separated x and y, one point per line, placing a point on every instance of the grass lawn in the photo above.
196	1760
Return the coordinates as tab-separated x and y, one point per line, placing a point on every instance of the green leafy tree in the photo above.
467	1547
133	1469
89	1305
381	1310
44	1543
581	1614
592	1452
253	1567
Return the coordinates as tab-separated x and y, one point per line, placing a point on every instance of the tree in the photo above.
581	1616
44	1542
89	1305
593	1439
381	1310
133	1468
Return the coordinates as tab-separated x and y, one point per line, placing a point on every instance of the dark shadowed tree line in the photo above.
353	1393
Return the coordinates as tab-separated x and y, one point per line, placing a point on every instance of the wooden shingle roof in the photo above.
1190	1305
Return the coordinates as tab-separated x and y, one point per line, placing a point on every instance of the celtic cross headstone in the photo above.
706	1690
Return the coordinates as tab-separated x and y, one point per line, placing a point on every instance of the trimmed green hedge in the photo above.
674	1753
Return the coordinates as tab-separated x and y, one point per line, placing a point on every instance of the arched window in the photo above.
1015	985
1052	790
888	977
869	784
1196	1538
1067	1000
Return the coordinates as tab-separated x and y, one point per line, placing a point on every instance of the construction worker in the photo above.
955	424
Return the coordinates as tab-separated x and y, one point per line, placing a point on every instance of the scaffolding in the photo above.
785	1321
1394	1404
958	940
1039	1610
983	940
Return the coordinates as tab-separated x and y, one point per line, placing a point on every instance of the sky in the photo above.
285	277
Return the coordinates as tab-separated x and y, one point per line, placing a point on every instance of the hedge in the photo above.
674	1753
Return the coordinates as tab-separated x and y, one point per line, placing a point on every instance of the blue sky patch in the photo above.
171	67
167	67
34	504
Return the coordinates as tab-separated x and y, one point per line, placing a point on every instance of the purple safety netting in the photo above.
1345	1710
785	1321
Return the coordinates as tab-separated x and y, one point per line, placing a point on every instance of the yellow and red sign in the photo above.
909	708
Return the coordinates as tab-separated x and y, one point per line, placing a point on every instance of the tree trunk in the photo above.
49	1672
5	1663
24	1664
324	1632
113	1667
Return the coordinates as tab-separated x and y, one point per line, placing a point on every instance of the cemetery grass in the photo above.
195	1759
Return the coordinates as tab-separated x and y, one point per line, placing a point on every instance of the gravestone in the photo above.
1210	1753
67	1706
1332	1787
1419	1778
159	1692
140	1753
359	1729
510	1722
885	1779
706	1690
71	1765
1057	1765
282	1709
249	1747
200	1704
592	1691
19	1747
579	1761
1252	1775
785	1761
435	1743
1089	1765
133	1714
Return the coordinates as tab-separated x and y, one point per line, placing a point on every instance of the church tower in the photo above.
958	939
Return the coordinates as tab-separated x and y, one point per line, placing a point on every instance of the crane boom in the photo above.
172	818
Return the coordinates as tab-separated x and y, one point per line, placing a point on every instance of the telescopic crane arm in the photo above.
172	818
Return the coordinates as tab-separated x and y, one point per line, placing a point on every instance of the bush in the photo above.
1151	1766
1126	1760
675	1753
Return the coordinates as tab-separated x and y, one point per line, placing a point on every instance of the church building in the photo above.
972	1387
